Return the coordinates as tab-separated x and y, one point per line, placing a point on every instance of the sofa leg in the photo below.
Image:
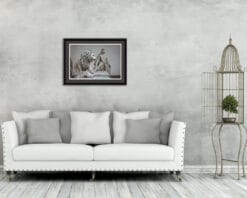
178	176
10	175
93	175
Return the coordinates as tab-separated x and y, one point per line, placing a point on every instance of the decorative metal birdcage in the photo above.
223	90
223	103
230	87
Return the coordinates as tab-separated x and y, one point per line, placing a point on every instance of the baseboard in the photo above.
210	169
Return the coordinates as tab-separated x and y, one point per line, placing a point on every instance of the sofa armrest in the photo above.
176	140
10	141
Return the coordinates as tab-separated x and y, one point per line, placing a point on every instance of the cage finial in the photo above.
230	40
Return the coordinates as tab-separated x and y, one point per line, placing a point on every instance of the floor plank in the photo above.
111	187
65	189
54	189
134	189
88	190
120	185
123	190
172	192
99	189
42	189
76	189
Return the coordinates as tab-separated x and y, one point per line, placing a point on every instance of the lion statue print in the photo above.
84	67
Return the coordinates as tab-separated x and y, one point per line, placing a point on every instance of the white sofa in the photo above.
105	157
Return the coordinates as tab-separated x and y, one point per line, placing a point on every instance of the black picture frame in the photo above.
81	43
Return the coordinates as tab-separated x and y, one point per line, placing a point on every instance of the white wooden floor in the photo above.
112	185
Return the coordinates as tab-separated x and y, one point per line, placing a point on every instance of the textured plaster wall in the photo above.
169	44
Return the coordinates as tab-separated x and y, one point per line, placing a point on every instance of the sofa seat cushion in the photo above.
53	152
133	152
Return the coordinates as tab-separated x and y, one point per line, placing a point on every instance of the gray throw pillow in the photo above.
43	131
20	120
145	131
166	120
65	124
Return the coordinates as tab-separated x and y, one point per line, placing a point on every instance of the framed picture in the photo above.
95	61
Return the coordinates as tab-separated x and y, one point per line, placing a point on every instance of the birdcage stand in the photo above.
241	150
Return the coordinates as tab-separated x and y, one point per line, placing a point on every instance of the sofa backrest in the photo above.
65	125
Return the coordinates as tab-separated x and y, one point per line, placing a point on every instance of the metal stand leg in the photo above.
239	151
243	155
221	154
216	158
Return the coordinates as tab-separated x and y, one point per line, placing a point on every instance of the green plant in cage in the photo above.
230	104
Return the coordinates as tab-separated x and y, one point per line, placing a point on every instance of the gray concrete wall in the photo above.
169	44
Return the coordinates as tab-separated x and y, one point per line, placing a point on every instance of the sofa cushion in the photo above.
65	125
145	131
20	120
90	128
133	152
165	124
119	123
53	152
40	131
